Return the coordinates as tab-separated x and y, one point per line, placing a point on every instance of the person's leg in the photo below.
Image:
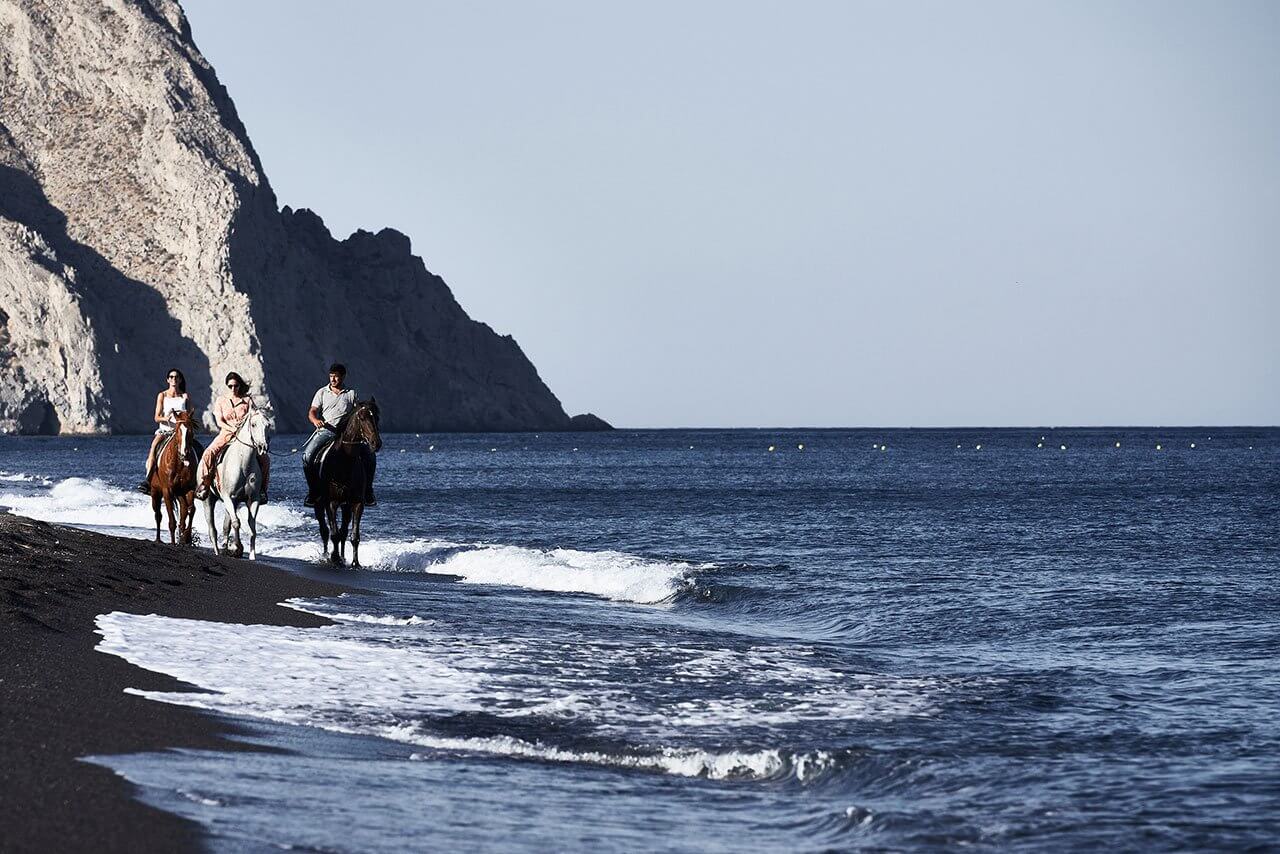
204	473
310	452
145	486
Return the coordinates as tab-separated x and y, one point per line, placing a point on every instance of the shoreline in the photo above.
62	700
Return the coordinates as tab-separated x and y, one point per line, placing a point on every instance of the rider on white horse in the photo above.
329	406
230	411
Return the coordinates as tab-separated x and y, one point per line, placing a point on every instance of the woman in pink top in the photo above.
230	410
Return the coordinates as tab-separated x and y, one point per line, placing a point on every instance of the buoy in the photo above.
417	436
800	447
402	450
1039	444
1157	446
1042	438
690	447
491	450
977	447
1117	444
575	449
293	450
957	447
771	449
1064	447
1193	444
431	447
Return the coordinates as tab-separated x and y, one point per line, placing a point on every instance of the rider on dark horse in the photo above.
332	404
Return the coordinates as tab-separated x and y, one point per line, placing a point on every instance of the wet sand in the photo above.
60	700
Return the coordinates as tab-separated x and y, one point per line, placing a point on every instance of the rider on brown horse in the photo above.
169	403
331	404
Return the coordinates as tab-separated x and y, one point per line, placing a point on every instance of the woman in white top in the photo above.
172	400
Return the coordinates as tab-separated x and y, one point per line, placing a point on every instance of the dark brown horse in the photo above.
173	480
344	479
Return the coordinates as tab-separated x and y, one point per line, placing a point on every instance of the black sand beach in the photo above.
61	700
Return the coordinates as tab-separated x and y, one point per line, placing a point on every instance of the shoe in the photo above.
309	501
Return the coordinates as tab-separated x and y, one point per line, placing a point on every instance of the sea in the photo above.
736	640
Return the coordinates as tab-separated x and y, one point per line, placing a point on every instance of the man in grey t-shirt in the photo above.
329	406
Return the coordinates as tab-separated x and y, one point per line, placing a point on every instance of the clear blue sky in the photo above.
822	214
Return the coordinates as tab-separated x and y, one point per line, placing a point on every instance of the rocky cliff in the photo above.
138	232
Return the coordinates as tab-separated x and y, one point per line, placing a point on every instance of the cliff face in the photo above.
138	233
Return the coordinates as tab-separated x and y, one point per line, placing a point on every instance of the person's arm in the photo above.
160	417
313	414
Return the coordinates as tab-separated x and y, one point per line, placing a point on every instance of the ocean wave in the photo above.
608	574
767	764
20	477
344	617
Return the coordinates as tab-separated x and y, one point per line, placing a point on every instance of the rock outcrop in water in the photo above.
139	232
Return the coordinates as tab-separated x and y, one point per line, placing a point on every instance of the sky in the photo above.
736	214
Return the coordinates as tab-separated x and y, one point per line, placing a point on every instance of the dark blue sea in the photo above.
746	640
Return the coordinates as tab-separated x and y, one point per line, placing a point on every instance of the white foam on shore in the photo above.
340	681
94	503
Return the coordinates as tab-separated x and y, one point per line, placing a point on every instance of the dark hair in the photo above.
182	381
338	368
244	386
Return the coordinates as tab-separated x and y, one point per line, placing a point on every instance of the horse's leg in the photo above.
228	510
235	524
357	512
335	538
346	526
324	528
155	508
211	524
253	529
173	521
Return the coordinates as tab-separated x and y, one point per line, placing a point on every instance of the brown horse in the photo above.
173	480
343	478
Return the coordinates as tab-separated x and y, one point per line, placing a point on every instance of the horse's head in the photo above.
184	427
364	423
256	425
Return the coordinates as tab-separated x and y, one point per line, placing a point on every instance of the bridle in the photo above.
364	439
235	437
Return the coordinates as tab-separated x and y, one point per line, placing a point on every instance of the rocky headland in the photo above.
139	232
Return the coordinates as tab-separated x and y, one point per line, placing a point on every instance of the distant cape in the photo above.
138	232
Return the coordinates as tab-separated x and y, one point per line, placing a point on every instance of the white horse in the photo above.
239	481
